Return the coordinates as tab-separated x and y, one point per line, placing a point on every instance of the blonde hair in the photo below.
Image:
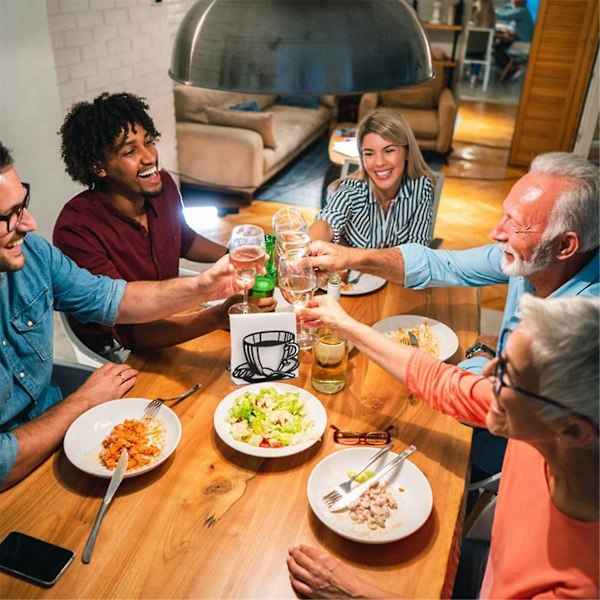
394	128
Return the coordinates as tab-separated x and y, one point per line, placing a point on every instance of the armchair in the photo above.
429	108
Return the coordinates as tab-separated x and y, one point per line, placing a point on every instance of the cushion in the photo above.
418	96
328	100
300	101
251	105
260	122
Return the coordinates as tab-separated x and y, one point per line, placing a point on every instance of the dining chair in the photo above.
477	50
70	376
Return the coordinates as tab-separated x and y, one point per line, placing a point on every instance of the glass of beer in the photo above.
330	362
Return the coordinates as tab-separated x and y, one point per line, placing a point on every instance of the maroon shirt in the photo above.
98	238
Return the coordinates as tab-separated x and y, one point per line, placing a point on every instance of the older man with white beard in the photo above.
546	244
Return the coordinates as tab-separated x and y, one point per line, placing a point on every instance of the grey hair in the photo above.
565	349
578	207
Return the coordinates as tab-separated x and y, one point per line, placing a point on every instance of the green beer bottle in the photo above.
264	285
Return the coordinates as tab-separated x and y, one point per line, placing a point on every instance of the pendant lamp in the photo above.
301	46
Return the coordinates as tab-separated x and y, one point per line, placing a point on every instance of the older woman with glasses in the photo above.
542	393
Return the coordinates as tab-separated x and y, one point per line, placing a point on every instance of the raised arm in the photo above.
145	301
386	262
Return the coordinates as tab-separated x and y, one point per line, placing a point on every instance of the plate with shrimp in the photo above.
405	499
94	441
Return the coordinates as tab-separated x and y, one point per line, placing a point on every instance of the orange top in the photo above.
536	550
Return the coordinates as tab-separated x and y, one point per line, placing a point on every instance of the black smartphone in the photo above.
33	559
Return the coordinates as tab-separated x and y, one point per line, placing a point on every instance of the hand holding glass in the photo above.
297	282
247	255
291	231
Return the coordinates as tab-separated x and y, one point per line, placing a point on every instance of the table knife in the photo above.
354	494
115	481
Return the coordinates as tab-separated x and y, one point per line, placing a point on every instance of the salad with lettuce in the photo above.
270	419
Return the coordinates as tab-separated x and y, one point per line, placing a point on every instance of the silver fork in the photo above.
344	487
355	280
152	409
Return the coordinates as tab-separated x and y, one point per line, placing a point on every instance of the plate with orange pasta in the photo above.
94	441
432	336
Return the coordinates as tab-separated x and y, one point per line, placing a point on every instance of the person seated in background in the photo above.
546	244
515	24
540	392
36	278
390	199
129	223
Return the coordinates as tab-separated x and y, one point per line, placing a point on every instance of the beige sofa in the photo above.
237	150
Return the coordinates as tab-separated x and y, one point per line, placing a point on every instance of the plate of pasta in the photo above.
94	440
432	336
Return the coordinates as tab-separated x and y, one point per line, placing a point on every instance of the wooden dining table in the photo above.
211	522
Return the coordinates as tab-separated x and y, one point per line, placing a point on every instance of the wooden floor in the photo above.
477	181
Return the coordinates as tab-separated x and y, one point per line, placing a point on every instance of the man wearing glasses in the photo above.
546	244
36	278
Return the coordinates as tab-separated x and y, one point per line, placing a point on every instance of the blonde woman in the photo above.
390	199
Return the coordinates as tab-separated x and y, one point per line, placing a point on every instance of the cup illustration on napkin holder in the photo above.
266	354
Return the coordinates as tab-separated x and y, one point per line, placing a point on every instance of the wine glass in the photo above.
247	255
297	282
291	231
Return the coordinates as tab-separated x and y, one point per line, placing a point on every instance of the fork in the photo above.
355	279
152	409
344	487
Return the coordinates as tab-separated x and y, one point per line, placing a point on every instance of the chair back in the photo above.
423	96
477	50
84	354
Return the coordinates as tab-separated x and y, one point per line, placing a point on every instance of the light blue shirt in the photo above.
49	280
481	266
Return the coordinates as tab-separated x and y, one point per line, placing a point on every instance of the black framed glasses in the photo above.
15	214
499	382
372	438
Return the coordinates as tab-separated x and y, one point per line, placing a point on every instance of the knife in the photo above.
358	491
115	481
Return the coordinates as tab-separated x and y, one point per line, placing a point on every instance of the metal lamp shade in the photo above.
301	46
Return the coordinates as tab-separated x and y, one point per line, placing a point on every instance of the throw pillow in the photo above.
260	122
300	101
251	105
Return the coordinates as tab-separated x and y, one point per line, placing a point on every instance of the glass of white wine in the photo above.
297	282
291	231
247	255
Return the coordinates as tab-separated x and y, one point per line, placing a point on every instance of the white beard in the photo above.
541	258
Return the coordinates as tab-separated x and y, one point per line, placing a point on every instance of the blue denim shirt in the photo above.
49	280
481	266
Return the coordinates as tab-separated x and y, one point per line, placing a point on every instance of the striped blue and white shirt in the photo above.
358	220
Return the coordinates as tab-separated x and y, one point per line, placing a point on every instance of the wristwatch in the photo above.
479	347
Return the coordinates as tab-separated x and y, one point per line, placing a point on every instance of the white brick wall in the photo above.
114	46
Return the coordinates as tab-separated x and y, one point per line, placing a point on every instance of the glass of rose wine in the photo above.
297	282
291	231
247	255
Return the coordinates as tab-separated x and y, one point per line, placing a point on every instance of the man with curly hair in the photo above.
129	223
35	280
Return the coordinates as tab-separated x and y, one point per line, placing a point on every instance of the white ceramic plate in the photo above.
83	440
447	337
366	284
315	413
408	485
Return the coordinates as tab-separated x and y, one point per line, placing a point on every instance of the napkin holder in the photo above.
263	347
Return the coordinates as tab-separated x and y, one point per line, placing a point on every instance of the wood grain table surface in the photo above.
213	523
